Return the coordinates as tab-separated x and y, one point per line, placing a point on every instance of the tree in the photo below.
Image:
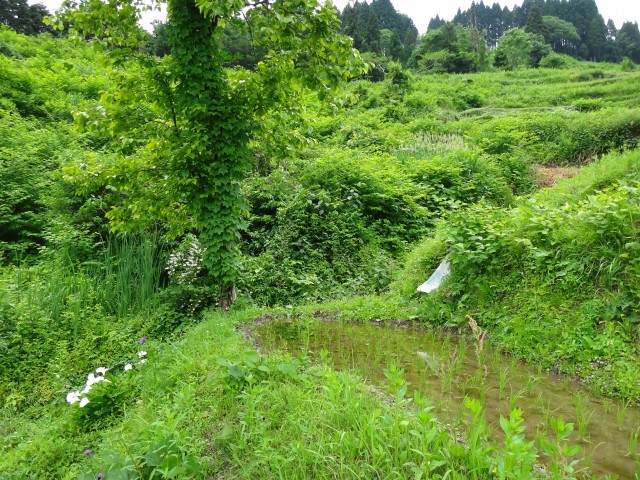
385	13
597	39
629	41
409	43
390	44
159	42
516	47
539	50
536	25
449	49
189	167
612	31
23	18
372	35
563	36
364	23
435	23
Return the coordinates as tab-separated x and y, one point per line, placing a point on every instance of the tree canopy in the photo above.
629	41
451	48
563	36
22	17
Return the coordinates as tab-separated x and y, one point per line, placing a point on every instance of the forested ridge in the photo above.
164	194
573	27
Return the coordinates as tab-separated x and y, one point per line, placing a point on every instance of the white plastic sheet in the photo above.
436	278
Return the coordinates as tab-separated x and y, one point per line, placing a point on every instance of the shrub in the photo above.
627	65
583	77
588	105
560	138
459	178
332	229
553	60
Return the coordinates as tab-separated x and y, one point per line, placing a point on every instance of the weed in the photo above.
559	451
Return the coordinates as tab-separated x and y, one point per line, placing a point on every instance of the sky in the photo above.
421	11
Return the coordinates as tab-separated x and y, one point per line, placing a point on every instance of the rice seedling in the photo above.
502	381
633	443
514	398
531	382
583	417
621	413
607	405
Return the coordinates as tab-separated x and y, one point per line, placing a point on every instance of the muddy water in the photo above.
449	369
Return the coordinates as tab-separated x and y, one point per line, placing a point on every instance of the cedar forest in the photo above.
281	166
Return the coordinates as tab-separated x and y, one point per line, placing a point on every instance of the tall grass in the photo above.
124	278
129	273
61	318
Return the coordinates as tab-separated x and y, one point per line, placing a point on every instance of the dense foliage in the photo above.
202	117
573	28
556	277
359	192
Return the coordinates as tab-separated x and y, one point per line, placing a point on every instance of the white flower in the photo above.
85	390
128	367
91	379
143	360
142	353
72	397
83	402
102	370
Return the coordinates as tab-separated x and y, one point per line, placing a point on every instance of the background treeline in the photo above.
24	18
573	27
377	27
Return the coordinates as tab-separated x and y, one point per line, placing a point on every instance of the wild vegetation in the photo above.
115	240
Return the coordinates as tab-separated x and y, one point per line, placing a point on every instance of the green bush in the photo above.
323	228
588	105
627	65
459	178
553	60
332	228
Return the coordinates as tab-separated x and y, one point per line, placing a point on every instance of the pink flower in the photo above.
87	451
100	475
143	340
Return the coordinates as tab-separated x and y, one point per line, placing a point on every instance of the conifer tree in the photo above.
22	17
372	35
629	41
435	23
536	25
